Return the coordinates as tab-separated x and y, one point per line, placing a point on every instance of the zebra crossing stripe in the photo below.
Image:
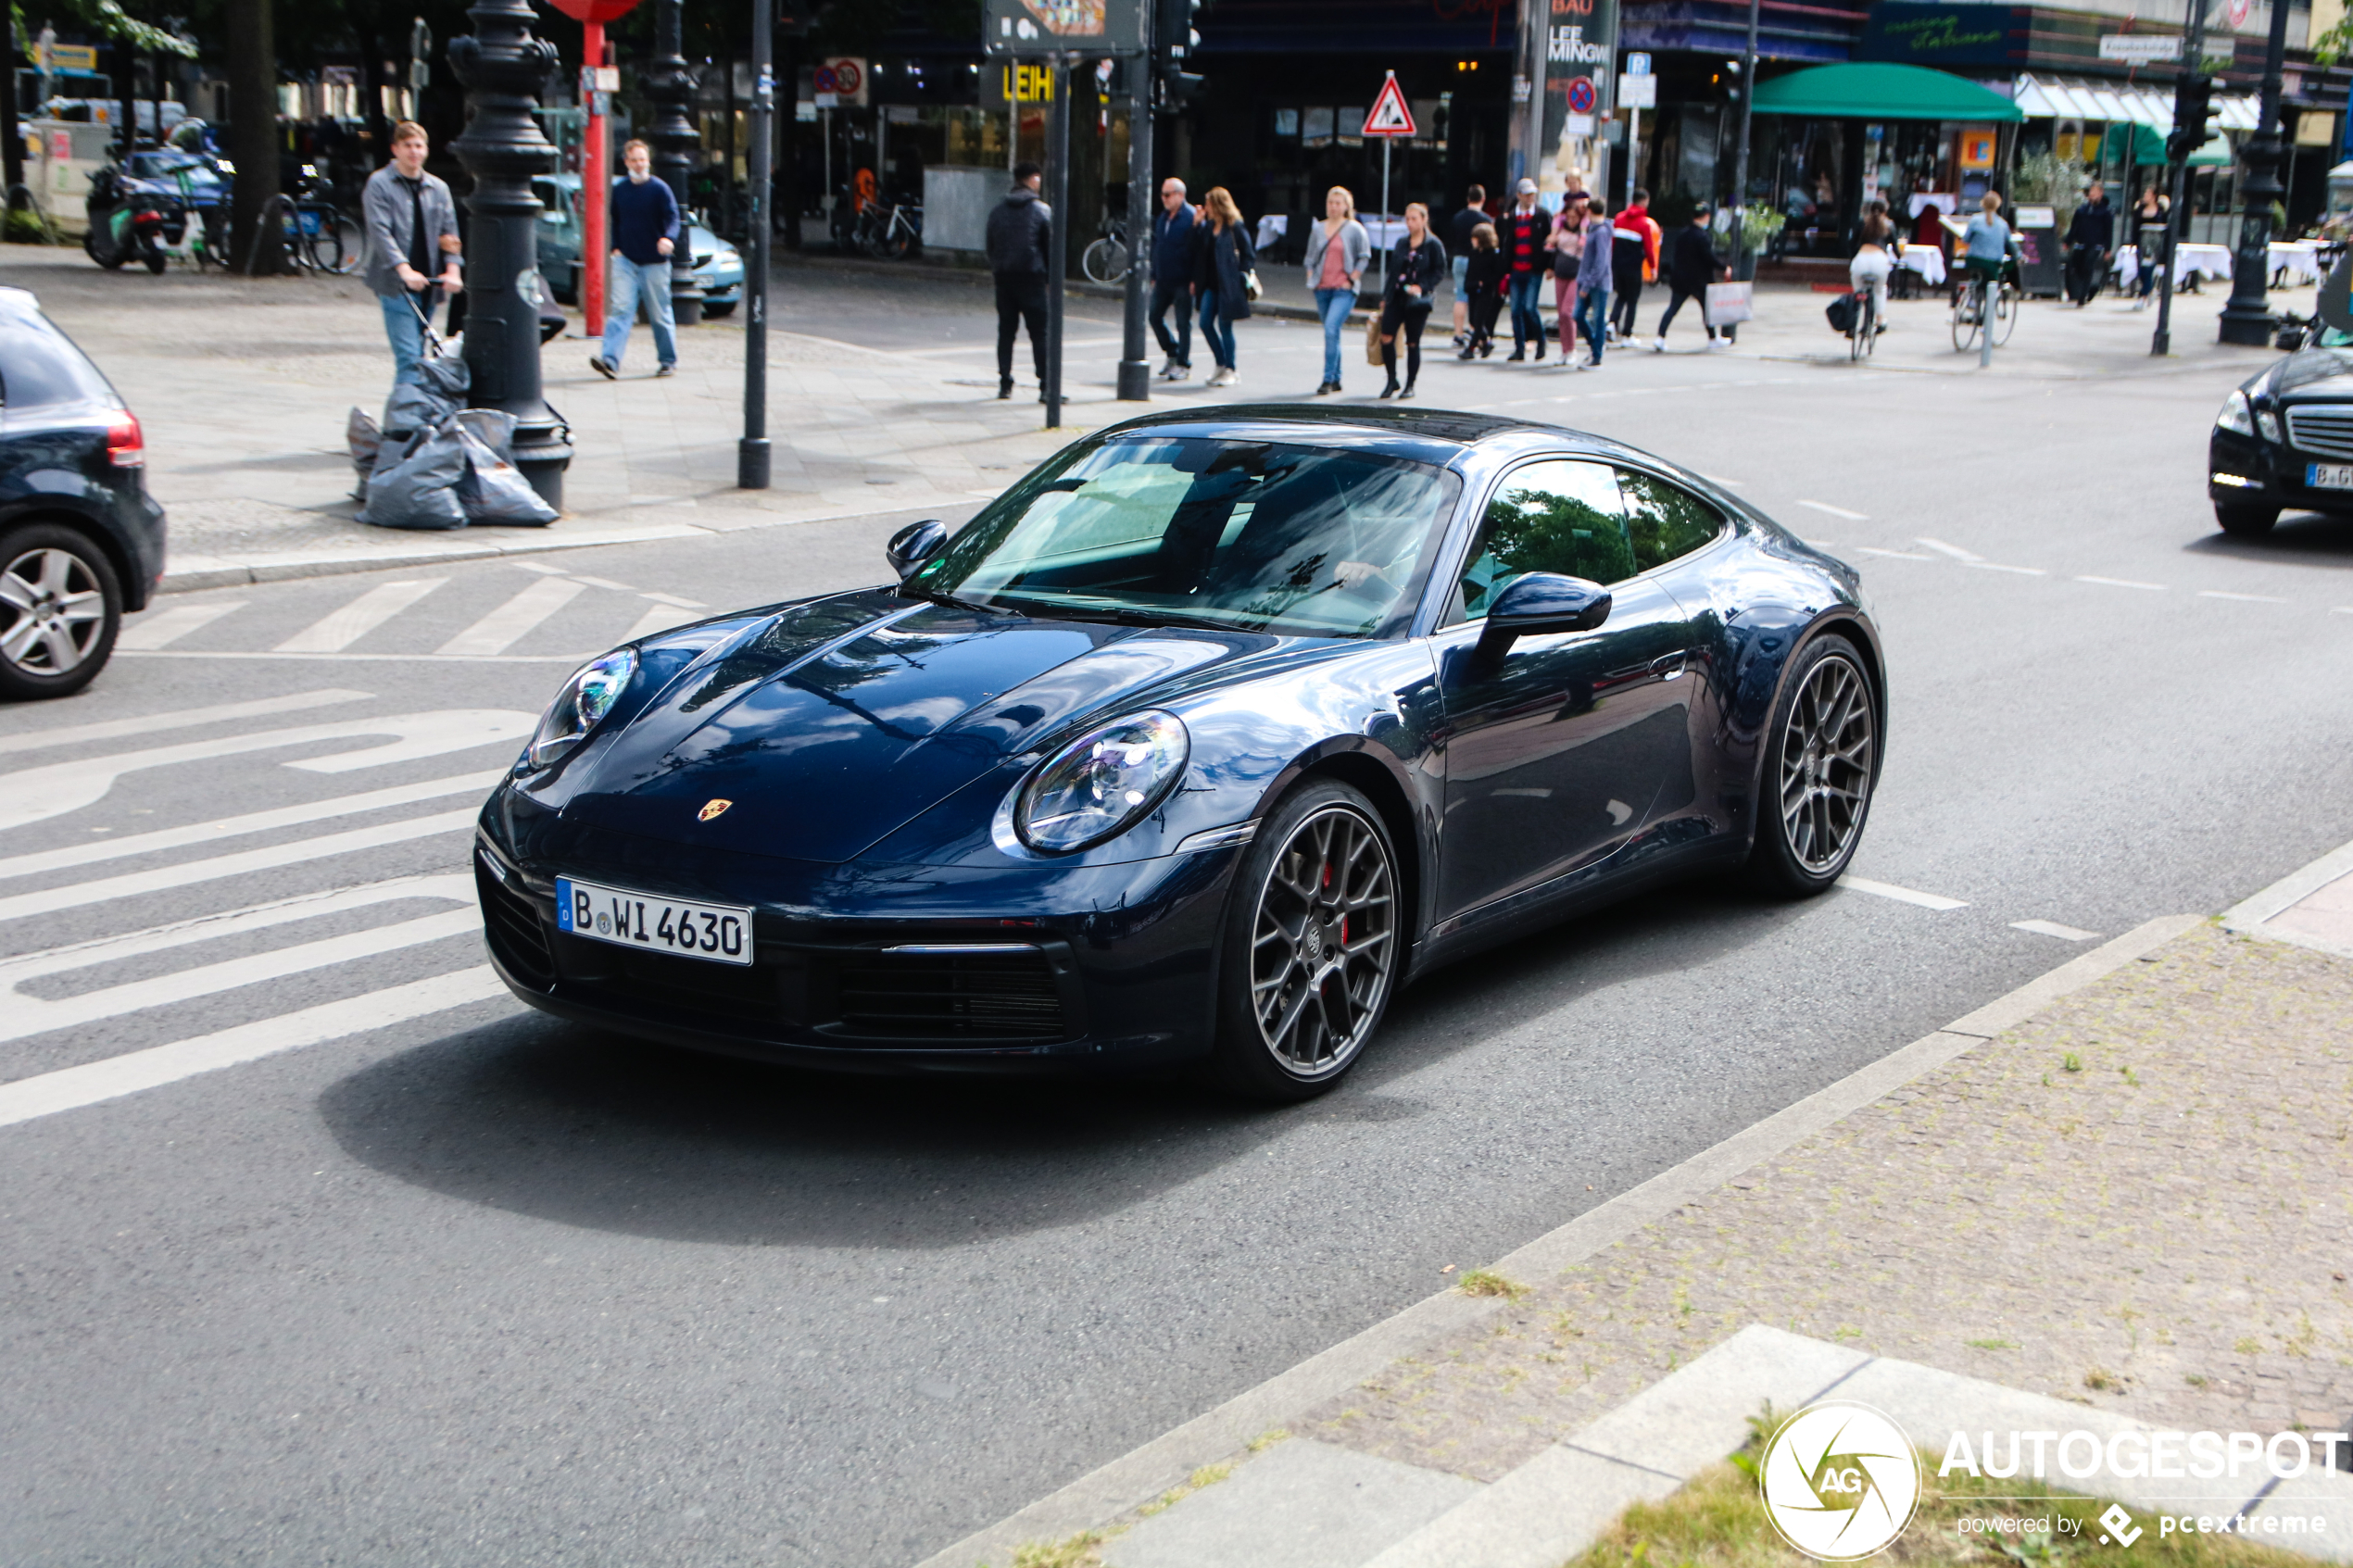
72	1087
181	719
506	625
164	627
338	630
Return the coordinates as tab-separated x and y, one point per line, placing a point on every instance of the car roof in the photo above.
1439	435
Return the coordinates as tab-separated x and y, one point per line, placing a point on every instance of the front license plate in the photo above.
720	933
2329	476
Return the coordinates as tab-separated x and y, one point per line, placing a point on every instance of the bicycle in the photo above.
1105	261
319	235
889	232
1862	330
1975	309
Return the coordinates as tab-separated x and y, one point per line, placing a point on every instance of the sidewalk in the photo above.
2117	1198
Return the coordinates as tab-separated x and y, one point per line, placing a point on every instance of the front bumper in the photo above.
874	968
2248	470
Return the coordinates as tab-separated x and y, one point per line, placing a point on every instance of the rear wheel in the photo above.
1105	261
1820	762
2245	519
60	608
1312	947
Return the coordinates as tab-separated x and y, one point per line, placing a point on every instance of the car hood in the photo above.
830	724
2313	373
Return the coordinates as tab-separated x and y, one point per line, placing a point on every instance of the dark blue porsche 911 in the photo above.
1192	747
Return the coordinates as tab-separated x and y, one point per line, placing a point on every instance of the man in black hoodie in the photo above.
1019	230
2091	234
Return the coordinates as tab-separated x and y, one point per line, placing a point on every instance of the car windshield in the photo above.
166	165
1261	535
2331	338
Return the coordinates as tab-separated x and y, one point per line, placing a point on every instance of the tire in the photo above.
1105	261
1321	863
1965	325
46	568
157	261
2245	520
1811	806
2005	309
712	312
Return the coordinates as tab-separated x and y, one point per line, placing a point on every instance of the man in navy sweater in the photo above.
1173	278
645	232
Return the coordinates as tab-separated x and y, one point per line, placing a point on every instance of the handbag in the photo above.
1249	284
1372	340
1731	302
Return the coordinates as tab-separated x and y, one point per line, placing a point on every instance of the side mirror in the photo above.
914	545
1540	602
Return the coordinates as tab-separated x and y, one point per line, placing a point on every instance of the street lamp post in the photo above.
670	85
1744	263
2248	318
752	452
503	64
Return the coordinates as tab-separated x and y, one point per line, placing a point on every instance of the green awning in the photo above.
2148	150
1883	92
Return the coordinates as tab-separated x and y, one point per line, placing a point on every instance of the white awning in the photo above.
2051	97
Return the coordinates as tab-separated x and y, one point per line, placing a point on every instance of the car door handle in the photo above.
1667	666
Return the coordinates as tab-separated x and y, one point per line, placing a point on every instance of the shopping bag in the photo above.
1731	302
1841	313
1372	340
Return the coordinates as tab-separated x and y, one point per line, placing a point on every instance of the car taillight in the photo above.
126	446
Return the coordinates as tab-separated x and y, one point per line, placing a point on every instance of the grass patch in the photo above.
1479	1282
1718	1521
1080	1551
1207	1475
1991	1344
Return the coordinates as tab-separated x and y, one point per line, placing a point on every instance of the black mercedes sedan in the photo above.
1192	747
81	539
2283	440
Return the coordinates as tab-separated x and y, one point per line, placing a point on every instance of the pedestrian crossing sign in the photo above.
1389	116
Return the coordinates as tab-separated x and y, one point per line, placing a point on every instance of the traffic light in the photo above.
1174	40
2192	102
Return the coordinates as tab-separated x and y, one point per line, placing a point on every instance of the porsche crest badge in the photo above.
711	809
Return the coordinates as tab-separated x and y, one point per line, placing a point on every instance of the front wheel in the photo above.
1313	945
1105	261
60	608
2244	519
1966	313
2006	308
1821	763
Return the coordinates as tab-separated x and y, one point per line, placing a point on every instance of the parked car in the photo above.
2283	441
719	267
81	539
1189	748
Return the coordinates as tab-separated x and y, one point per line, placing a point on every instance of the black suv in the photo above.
81	541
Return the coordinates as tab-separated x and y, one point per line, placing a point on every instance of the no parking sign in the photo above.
1581	94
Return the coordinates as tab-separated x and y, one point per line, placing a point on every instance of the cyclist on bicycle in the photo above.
1875	249
1986	243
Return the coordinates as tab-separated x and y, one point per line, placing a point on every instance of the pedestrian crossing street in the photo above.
549	617
175	939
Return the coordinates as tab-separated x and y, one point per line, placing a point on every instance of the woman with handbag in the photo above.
1567	245
1337	250
1416	269
1225	277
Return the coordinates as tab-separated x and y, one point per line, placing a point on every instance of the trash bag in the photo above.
419	488
495	428
495	490
415	406
365	440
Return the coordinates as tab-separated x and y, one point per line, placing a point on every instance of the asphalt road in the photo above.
456	1283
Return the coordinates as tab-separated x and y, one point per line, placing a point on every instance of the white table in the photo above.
1272	227
1927	261
2296	259
2189	261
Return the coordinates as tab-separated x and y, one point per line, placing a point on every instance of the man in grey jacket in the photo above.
1019	230
412	223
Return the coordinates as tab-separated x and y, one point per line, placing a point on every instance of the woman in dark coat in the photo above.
1416	269
1222	260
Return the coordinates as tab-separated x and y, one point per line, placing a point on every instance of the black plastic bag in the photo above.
360	433
419	488
415	406
495	490
1841	313
495	428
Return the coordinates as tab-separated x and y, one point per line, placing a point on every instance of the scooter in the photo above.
130	222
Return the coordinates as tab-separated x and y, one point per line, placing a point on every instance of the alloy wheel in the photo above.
1826	765
57	610
1322	947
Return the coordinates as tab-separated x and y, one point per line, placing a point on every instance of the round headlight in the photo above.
585	698
1101	783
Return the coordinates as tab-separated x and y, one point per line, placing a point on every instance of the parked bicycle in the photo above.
889	232
320	235
1105	261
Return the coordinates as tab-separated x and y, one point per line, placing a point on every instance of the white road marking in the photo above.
26	1016
1835	512
540	567
1892	555
130	884
2239	598
2342	610
2123	582
38	793
674	600
69	1088
1941	549
160	628
183	719
506	625
340	629
1901	895
2053	928
602	583
1997	566
41	861
658	618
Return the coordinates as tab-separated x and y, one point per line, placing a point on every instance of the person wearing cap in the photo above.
1523	232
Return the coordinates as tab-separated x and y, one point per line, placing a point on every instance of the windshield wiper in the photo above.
1129	615
909	591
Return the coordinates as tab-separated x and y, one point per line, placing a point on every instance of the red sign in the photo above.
1581	94
1389	116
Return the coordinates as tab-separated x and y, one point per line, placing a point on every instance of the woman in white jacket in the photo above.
1337	250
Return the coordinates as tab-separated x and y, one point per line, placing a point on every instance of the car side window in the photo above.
1562	515
45	367
1664	521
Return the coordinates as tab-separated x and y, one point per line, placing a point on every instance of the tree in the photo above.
253	136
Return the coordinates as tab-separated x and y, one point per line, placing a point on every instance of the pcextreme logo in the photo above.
1840	1481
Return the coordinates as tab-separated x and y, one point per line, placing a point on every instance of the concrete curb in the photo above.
2252	916
1144	1473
